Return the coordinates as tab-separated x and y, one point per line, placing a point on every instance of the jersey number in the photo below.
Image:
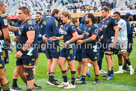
95	48
30	51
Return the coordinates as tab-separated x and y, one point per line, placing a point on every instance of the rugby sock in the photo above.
0	88
130	67
125	65
109	73
64	75
120	67
73	74
128	62
83	78
51	76
14	83
112	70
96	77
6	87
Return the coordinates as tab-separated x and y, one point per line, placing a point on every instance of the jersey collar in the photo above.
107	18
67	24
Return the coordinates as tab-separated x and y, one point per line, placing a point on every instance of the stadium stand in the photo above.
74	6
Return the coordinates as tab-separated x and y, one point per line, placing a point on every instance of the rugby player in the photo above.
76	22
27	43
129	17
90	48
68	51
122	40
110	34
100	50
4	38
52	47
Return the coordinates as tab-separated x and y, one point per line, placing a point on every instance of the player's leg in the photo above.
85	69
18	71
96	72
71	64
15	78
28	65
120	64
112	64
35	85
3	80
67	67
126	57
100	57
54	63
88	73
109	64
61	63
29	76
79	64
49	65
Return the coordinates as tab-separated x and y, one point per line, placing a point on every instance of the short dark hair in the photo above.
25	10
117	13
55	11
66	14
39	13
105	9
90	15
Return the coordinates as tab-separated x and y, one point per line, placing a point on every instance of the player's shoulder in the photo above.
2	17
30	22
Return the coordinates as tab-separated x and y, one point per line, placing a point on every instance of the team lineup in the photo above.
84	41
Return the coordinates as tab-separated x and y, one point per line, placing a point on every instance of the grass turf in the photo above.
122	82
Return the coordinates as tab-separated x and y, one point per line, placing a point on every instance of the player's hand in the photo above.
15	38
18	54
64	45
80	42
43	47
114	43
53	38
44	38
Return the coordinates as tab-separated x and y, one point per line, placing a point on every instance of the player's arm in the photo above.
74	38
55	31
100	29
100	38
81	36
56	38
6	34
116	28
12	28
91	39
30	36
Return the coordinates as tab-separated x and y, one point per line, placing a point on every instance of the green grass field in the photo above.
121	82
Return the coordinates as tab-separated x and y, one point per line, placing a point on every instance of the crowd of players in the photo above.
85	42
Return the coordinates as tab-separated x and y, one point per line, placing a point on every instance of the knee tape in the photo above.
29	73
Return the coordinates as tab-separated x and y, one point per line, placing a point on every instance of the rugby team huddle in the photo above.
85	42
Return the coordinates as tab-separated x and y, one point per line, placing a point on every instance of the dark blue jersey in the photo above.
32	52
18	24
108	29
100	33
68	31
90	47
79	47
52	29
3	24
41	29
129	29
